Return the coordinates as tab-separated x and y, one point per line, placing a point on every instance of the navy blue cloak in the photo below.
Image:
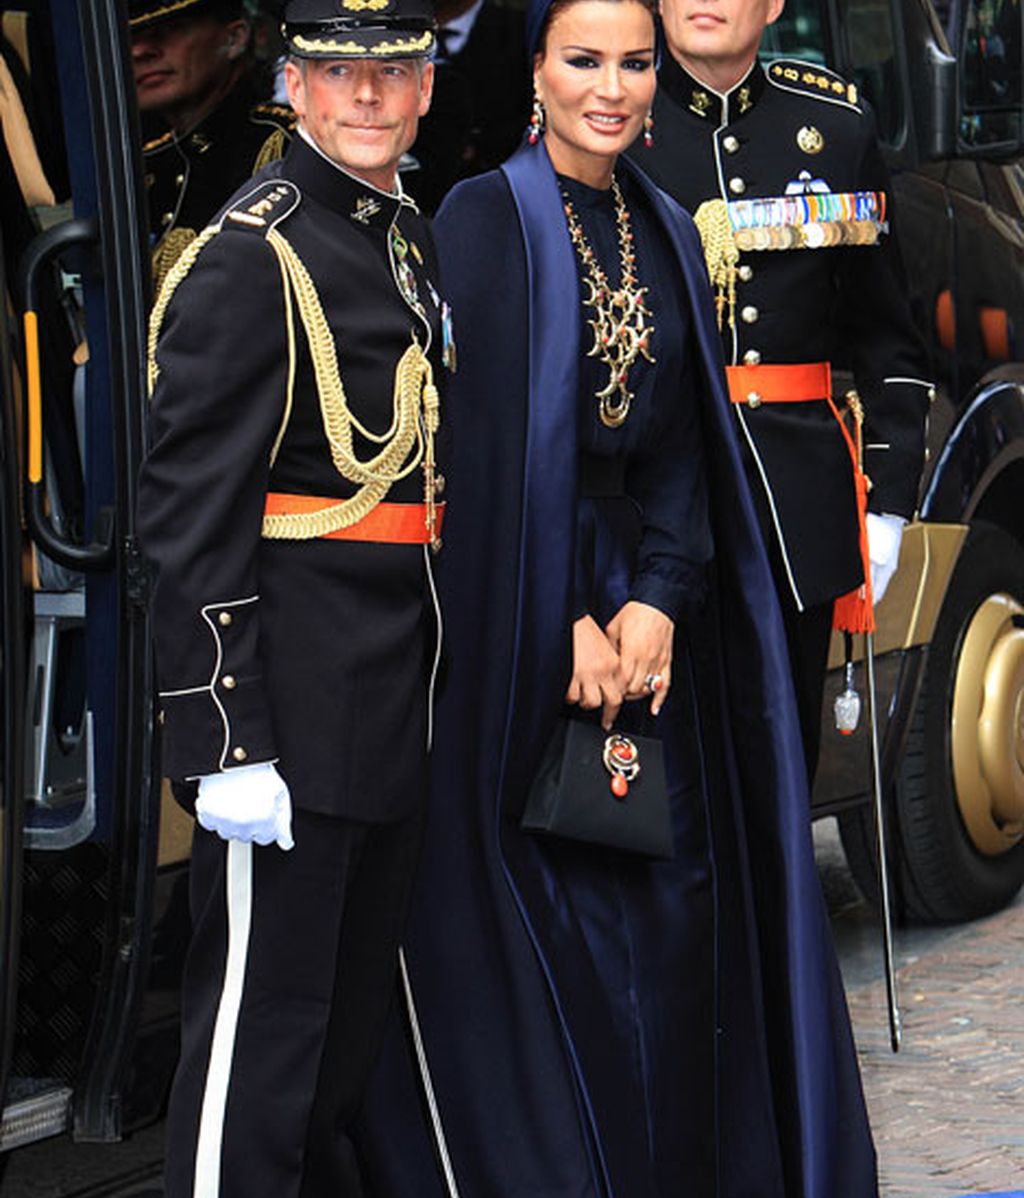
505	1074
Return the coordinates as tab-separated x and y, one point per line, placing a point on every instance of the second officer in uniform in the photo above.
290	504
208	119
781	168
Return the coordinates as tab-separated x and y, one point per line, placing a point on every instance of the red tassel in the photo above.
855	611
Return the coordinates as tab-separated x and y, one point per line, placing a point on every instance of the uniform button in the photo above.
178	180
749	314
239	754
746	273
161	717
730	144
752	357
931	394
228	682
166	219
927	454
439	484
737	186
225	619
753	399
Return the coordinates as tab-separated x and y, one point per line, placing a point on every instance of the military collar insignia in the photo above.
334	187
703	101
159	143
700	102
812	79
366	208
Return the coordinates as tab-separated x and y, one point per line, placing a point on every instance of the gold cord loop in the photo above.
407	443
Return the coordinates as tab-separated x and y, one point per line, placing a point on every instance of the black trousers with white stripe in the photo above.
288	981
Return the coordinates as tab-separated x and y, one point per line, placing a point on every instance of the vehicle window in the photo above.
990	81
798	33
870	52
871	45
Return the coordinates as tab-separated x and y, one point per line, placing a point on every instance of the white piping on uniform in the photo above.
771	504
238	884
895	378
428	1085
212	688
437	647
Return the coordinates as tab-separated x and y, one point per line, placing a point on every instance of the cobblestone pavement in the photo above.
948	1109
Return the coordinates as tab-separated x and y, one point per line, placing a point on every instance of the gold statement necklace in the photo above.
621	320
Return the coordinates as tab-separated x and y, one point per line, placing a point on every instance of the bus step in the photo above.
37	1108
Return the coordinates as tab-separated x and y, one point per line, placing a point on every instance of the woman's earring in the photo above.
536	120
649	130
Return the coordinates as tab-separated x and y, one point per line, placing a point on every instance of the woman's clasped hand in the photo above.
630	659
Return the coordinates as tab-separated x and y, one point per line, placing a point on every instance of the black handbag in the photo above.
605	788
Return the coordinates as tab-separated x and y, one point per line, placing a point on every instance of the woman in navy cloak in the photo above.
579	1023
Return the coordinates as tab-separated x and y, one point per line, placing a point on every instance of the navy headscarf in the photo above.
536	15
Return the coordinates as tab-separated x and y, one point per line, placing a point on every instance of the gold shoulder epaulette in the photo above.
261	209
812	79
158	143
269	113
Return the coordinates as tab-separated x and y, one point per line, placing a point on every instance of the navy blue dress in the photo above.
576	1024
645	477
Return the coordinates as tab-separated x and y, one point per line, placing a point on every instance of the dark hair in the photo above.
543	18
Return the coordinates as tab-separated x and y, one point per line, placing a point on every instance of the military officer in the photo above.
290	503
207	116
781	168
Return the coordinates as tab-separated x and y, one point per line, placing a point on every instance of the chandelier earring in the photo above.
649	129
536	127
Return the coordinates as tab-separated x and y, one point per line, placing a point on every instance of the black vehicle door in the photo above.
80	821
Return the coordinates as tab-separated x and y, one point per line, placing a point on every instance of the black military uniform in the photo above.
288	504
790	157
188	176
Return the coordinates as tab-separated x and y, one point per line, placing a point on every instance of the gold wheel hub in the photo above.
988	727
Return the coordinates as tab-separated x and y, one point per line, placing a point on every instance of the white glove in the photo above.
884	536
249	802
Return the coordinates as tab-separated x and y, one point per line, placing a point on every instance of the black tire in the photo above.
939	872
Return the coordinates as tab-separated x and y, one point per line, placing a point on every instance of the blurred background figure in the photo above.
481	102
207	115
